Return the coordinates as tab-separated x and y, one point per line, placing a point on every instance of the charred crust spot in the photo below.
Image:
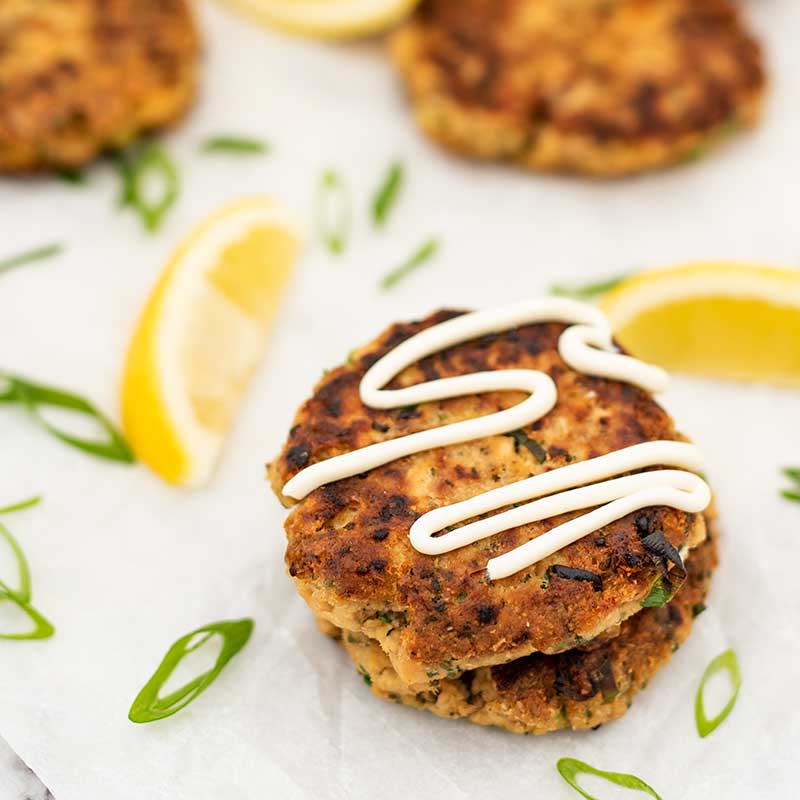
380	534
580	676
298	456
675	615
396	507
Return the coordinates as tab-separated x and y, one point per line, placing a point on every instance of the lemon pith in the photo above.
201	336
734	321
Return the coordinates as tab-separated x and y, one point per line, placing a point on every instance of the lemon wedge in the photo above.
202	335
737	321
329	19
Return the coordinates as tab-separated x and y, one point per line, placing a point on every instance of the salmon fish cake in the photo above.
80	76
601	87
435	616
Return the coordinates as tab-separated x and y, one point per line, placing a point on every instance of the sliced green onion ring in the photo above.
724	661
387	193
135	170
570	768
23	592
35	396
21	596
149	707
333	212
42	627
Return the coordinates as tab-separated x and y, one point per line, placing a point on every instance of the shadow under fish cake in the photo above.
586	86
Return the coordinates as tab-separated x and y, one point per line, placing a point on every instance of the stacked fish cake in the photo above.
566	641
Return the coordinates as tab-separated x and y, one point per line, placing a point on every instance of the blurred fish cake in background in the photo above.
586	86
81	76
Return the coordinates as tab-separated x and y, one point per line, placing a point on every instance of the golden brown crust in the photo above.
348	548
79	76
578	689
603	87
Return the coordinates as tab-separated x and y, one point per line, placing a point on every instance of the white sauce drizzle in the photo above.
587	347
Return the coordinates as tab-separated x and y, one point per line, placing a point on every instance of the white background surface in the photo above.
123	564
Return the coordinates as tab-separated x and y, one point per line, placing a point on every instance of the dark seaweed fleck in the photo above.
581	679
380	427
380	534
574	574
698	609
521	439
395	506
486	614
633	559
661	553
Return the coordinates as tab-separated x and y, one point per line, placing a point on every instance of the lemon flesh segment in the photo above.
226	334
201	337
327	18
746	327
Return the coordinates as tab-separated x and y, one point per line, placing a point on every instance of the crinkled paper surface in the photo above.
124	564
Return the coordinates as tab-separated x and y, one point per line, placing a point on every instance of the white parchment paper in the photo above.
124	564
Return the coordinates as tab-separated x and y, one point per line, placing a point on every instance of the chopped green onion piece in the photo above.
569	768
333	211
34	396
23	593
727	661
387	193
658	596
23	504
234	144
135	169
422	255
587	291
793	473
149	707
365	675
73	176
30	256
